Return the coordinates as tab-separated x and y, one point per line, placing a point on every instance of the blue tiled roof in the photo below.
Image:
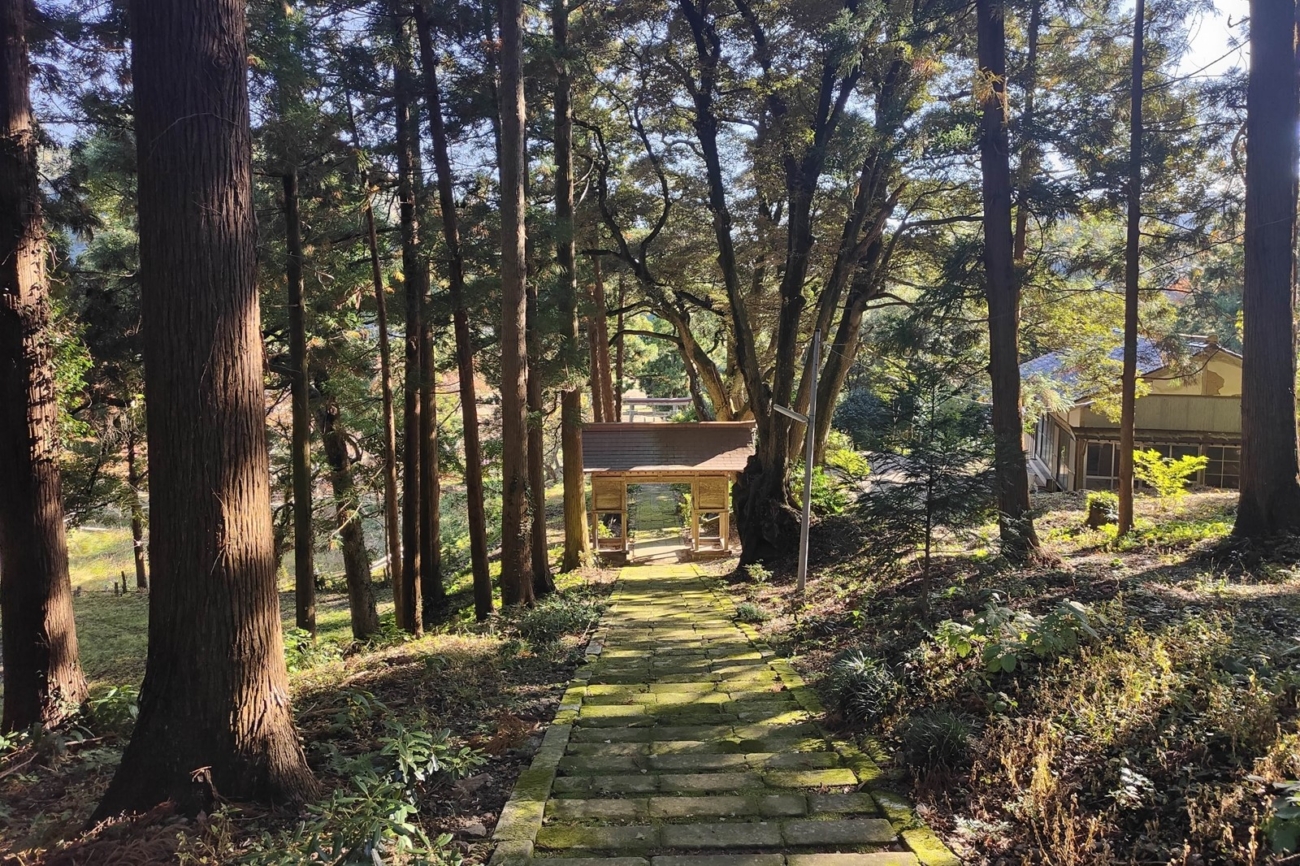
1053	365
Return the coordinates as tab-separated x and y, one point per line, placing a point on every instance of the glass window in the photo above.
1099	469
1224	469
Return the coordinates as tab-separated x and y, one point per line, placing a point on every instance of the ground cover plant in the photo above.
416	741
1137	702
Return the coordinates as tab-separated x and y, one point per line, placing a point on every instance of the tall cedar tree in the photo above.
42	674
1015	524
577	551
392	522
1270	495
474	500
407	596
543	580
215	717
304	575
1132	261
516	555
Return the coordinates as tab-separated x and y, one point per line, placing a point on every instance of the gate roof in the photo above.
713	446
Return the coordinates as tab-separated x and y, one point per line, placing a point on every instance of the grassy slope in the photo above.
490	689
1154	744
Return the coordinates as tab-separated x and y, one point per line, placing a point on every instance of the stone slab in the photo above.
847	831
621	838
755	834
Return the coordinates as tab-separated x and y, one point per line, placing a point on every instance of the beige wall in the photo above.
1220	376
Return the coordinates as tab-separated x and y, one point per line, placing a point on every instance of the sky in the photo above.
1212	36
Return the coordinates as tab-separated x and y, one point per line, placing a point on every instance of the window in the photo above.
1100	466
1043	438
1224	469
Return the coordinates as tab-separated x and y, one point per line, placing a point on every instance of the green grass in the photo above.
98	557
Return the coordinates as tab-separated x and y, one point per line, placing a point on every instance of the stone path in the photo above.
685	743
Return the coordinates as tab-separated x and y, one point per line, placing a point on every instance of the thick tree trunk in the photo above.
137	512
347	505
577	548
406	596
392	519
478	552
215	716
1015	524
516	559
1270	495
1132	261
42	674
304	575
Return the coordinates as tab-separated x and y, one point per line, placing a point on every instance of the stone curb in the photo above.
919	839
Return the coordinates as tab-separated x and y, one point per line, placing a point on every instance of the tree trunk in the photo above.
577	549
215	716
1015	524
42	674
516	560
618	352
598	326
1270	495
406	597
347	505
304	576
392	521
137	512
478	551
543	581
1132	261
433	595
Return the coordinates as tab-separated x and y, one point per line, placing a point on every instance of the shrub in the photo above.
935	739
302	651
555	616
758	574
1283	823
1006	636
751	613
1169	477
115	711
1103	508
418	756
862	687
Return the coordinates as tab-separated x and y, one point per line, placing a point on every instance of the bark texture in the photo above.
474	500
304	574
347	505
1270	497
42	674
516	556
215	714
1001	289
406	596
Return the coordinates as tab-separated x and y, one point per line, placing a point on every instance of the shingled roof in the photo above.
716	446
